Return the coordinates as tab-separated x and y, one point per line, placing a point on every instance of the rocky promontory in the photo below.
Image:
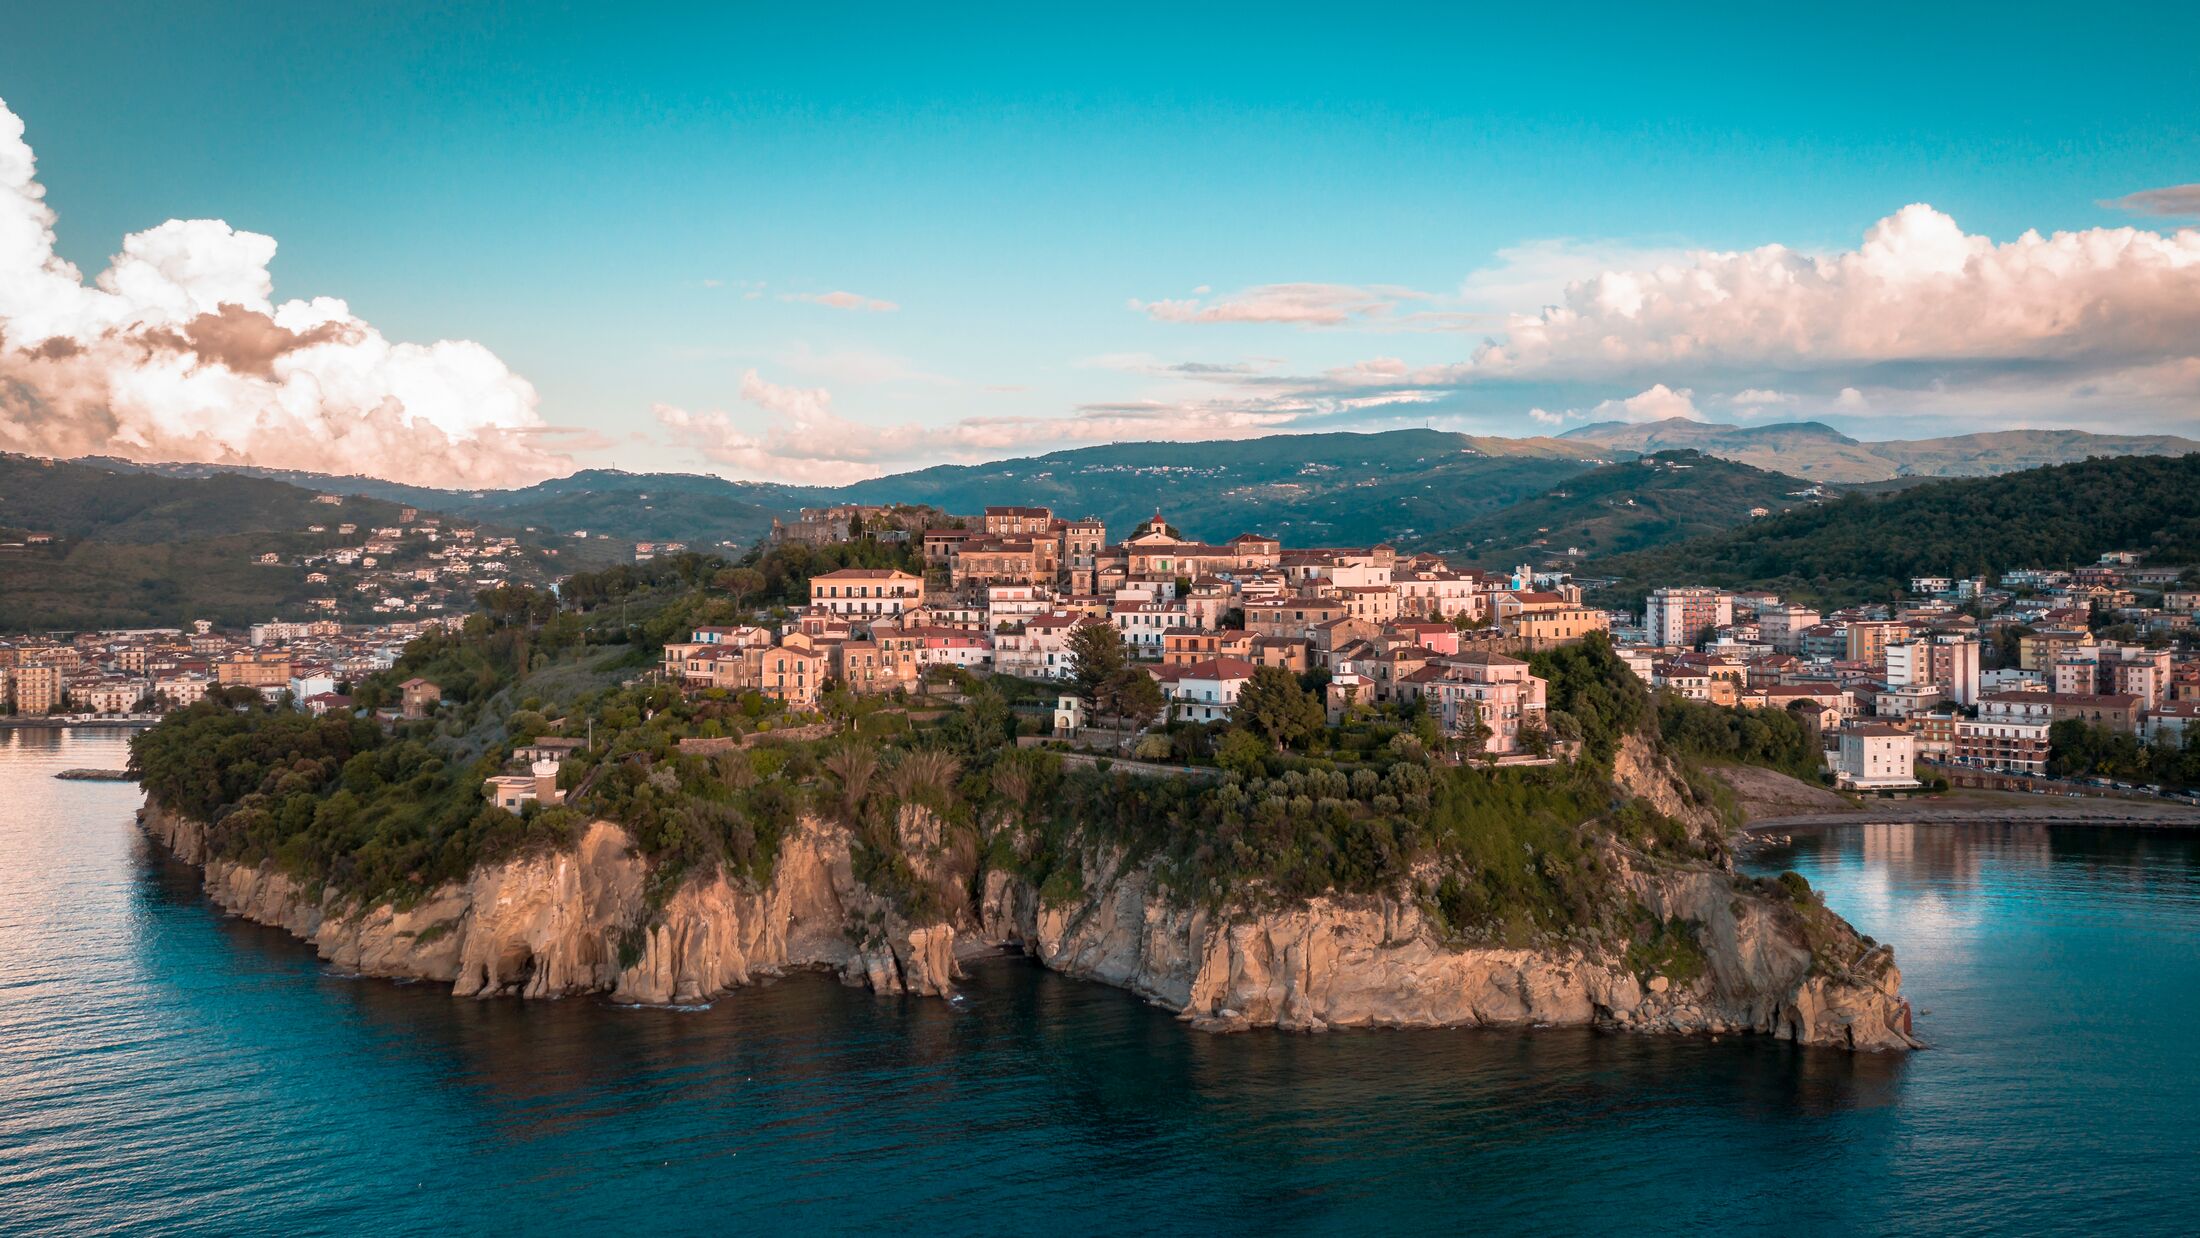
590	920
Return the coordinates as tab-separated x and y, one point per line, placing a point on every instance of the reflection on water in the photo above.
169	1069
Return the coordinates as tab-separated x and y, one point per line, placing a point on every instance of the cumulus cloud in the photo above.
2099	327
2173	200
1759	397
1918	290
1533	274
843	301
177	351
1658	403
795	434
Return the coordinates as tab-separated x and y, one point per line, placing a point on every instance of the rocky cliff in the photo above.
582	922
559	923
1379	962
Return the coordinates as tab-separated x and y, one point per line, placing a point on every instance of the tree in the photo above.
1242	753
1535	739
853	765
742	583
1273	706
1134	696
1095	658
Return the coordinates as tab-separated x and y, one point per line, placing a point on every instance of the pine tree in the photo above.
1095	658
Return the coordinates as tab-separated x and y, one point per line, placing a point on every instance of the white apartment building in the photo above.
1876	757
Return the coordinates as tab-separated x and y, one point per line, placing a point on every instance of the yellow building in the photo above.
35	689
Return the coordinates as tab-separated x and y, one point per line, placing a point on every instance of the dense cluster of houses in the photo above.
150	670
1007	591
1960	672
417	566
1886	685
1881	685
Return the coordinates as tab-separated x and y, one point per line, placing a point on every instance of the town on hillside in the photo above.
1962	680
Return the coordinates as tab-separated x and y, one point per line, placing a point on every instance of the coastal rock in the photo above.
551	924
1377	962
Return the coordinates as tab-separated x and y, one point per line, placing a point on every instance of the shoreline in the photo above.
552	924
2136	816
65	724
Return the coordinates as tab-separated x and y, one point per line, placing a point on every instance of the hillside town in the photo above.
413	567
1959	674
1960	679
148	671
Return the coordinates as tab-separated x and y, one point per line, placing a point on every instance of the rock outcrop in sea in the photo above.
583	921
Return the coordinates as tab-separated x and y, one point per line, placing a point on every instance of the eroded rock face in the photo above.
553	924
1377	962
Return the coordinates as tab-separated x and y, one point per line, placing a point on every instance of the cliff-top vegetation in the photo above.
934	786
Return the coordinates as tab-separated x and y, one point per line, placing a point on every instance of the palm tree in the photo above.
926	772
854	765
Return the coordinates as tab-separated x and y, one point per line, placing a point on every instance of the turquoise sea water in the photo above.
165	1069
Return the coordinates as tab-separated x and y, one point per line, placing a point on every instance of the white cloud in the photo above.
1759	397
795	434
843	301
1533	274
1919	290
1659	403
1920	315
178	352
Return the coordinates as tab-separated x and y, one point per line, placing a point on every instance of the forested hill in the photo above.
84	501
85	546
1867	547
1309	489
1635	505
686	507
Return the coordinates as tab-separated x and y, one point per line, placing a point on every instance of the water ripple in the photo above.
167	1069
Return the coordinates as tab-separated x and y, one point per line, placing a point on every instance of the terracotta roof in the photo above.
1218	668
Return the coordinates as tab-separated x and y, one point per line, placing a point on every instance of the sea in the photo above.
168	1069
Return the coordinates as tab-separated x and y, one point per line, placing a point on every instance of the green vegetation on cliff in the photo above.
936	791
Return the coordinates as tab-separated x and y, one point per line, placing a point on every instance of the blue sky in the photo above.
628	211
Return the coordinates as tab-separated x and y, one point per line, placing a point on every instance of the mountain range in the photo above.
156	538
1338	488
1818	451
